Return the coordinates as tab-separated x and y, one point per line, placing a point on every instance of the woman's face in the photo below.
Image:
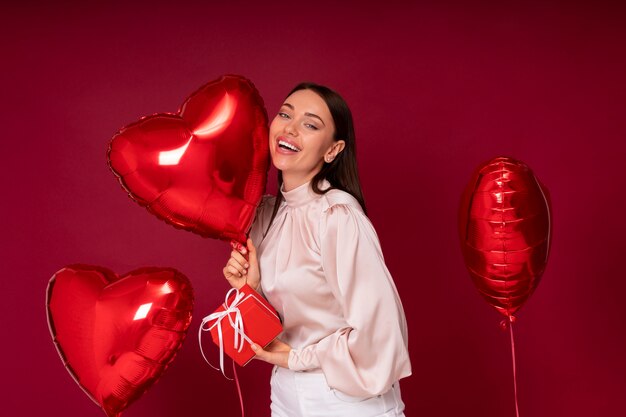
301	135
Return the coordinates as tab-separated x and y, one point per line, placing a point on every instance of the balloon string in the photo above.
238	388
514	368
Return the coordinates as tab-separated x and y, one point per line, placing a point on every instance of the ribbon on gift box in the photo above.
231	308
239	335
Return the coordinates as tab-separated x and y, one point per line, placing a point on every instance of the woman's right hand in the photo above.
243	266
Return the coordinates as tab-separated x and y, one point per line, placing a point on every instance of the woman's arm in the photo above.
368	355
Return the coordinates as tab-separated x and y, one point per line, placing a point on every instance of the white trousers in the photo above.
306	394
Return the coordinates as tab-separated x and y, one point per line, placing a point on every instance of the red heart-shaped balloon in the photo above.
504	226
116	335
203	169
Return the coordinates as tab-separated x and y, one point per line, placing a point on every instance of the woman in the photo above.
318	261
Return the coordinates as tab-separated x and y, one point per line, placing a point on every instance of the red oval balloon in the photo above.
117	335
203	169
504	226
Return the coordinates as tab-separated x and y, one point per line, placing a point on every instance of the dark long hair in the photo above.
341	172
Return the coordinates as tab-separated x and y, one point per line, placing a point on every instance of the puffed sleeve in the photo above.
369	354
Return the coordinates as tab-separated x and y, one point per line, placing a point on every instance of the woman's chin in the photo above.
282	163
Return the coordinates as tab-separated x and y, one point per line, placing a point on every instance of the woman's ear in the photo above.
334	150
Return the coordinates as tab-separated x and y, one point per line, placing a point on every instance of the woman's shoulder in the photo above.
336	198
343	218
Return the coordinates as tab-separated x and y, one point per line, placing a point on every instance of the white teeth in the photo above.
288	146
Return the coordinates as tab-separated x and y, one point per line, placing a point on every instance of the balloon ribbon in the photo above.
238	387
504	324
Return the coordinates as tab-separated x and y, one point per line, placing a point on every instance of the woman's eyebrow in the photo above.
316	116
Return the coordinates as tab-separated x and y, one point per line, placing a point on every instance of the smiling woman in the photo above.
303	138
319	263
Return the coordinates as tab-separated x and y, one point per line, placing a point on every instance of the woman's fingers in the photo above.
278	345
235	267
238	247
239	258
276	353
243	262
231	271
262	354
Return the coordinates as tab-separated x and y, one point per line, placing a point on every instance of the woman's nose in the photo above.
290	128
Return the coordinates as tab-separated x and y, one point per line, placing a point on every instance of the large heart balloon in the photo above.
504	226
116	335
203	169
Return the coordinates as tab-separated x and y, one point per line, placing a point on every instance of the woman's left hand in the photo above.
276	353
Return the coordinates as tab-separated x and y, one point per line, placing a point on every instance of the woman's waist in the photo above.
300	336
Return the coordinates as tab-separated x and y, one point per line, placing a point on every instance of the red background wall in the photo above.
435	90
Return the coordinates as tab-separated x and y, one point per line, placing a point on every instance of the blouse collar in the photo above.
302	194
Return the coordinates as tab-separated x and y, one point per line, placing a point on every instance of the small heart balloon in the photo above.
203	169
116	335
504	226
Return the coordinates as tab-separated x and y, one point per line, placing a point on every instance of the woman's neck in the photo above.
293	181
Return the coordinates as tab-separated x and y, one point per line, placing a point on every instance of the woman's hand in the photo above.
243	266
276	353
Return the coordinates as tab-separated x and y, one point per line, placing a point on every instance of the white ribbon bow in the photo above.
237	326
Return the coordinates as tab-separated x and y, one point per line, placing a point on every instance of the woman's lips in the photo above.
286	146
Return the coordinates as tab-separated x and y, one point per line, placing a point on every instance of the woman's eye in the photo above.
283	115
310	126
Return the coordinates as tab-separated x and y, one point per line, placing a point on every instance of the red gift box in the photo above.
245	317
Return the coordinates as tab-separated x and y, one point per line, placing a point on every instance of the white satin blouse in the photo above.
323	270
